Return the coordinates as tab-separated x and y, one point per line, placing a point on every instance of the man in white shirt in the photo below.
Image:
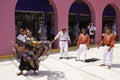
63	43
92	31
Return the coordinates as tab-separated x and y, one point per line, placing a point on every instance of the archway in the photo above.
109	18
80	15
31	14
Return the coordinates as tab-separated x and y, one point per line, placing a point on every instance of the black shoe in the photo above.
61	58
109	67
67	57
102	65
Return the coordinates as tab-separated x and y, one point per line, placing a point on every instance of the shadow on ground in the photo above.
51	75
116	65
91	60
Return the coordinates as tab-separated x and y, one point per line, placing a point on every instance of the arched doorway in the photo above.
109	18
31	14
79	15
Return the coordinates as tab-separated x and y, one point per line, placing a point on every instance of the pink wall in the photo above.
7	25
61	14
61	9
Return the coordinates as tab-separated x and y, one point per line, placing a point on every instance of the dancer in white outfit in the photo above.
83	43
63	43
108	41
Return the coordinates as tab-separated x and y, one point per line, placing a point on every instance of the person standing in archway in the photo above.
114	29
76	32
63	43
92	32
42	32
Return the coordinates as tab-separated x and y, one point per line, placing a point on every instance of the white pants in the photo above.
110	55
63	48
81	52
115	33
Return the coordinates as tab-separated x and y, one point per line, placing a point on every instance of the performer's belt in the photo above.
107	45
82	43
63	40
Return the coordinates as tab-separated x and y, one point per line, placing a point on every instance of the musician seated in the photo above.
21	37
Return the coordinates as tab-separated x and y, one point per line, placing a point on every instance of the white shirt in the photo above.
113	28
62	36
21	37
92	28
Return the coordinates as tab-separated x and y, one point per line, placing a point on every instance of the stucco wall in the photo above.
7	25
61	8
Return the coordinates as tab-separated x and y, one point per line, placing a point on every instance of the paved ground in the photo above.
54	69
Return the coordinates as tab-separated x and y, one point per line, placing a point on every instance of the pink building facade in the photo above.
61	10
